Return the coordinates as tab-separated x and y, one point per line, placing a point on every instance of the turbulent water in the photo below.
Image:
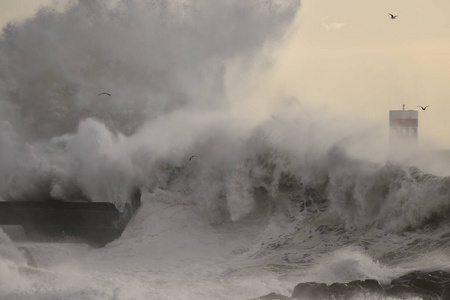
236	203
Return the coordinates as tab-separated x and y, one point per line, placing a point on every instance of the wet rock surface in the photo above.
311	290
273	296
434	285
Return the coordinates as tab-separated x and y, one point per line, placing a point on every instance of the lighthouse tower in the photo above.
403	125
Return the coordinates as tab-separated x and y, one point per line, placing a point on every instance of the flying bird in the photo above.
393	17
423	108
108	94
190	158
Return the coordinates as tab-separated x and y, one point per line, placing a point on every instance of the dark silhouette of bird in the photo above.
190	158
422	107
392	16
108	94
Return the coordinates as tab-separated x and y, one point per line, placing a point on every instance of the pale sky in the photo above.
16	10
350	57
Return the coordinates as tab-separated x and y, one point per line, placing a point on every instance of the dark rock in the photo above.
346	290
435	276
311	290
423	285
370	285
407	292
435	287
436	283
273	296
446	293
343	290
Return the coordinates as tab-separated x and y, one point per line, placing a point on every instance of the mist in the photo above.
252	179
177	72
154	58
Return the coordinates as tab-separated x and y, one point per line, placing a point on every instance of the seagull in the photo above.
392	16
108	94
423	108
190	158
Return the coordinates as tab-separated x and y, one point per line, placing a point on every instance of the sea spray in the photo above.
266	198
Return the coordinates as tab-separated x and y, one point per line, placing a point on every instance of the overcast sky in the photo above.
349	56
14	10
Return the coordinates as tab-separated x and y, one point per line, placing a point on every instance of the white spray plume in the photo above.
169	124
153	57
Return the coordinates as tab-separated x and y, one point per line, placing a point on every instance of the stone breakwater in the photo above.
423	285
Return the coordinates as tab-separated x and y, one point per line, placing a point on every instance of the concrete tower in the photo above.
404	125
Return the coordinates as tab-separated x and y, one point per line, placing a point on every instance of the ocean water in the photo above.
172	250
243	194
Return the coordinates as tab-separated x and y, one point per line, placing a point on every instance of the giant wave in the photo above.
237	203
